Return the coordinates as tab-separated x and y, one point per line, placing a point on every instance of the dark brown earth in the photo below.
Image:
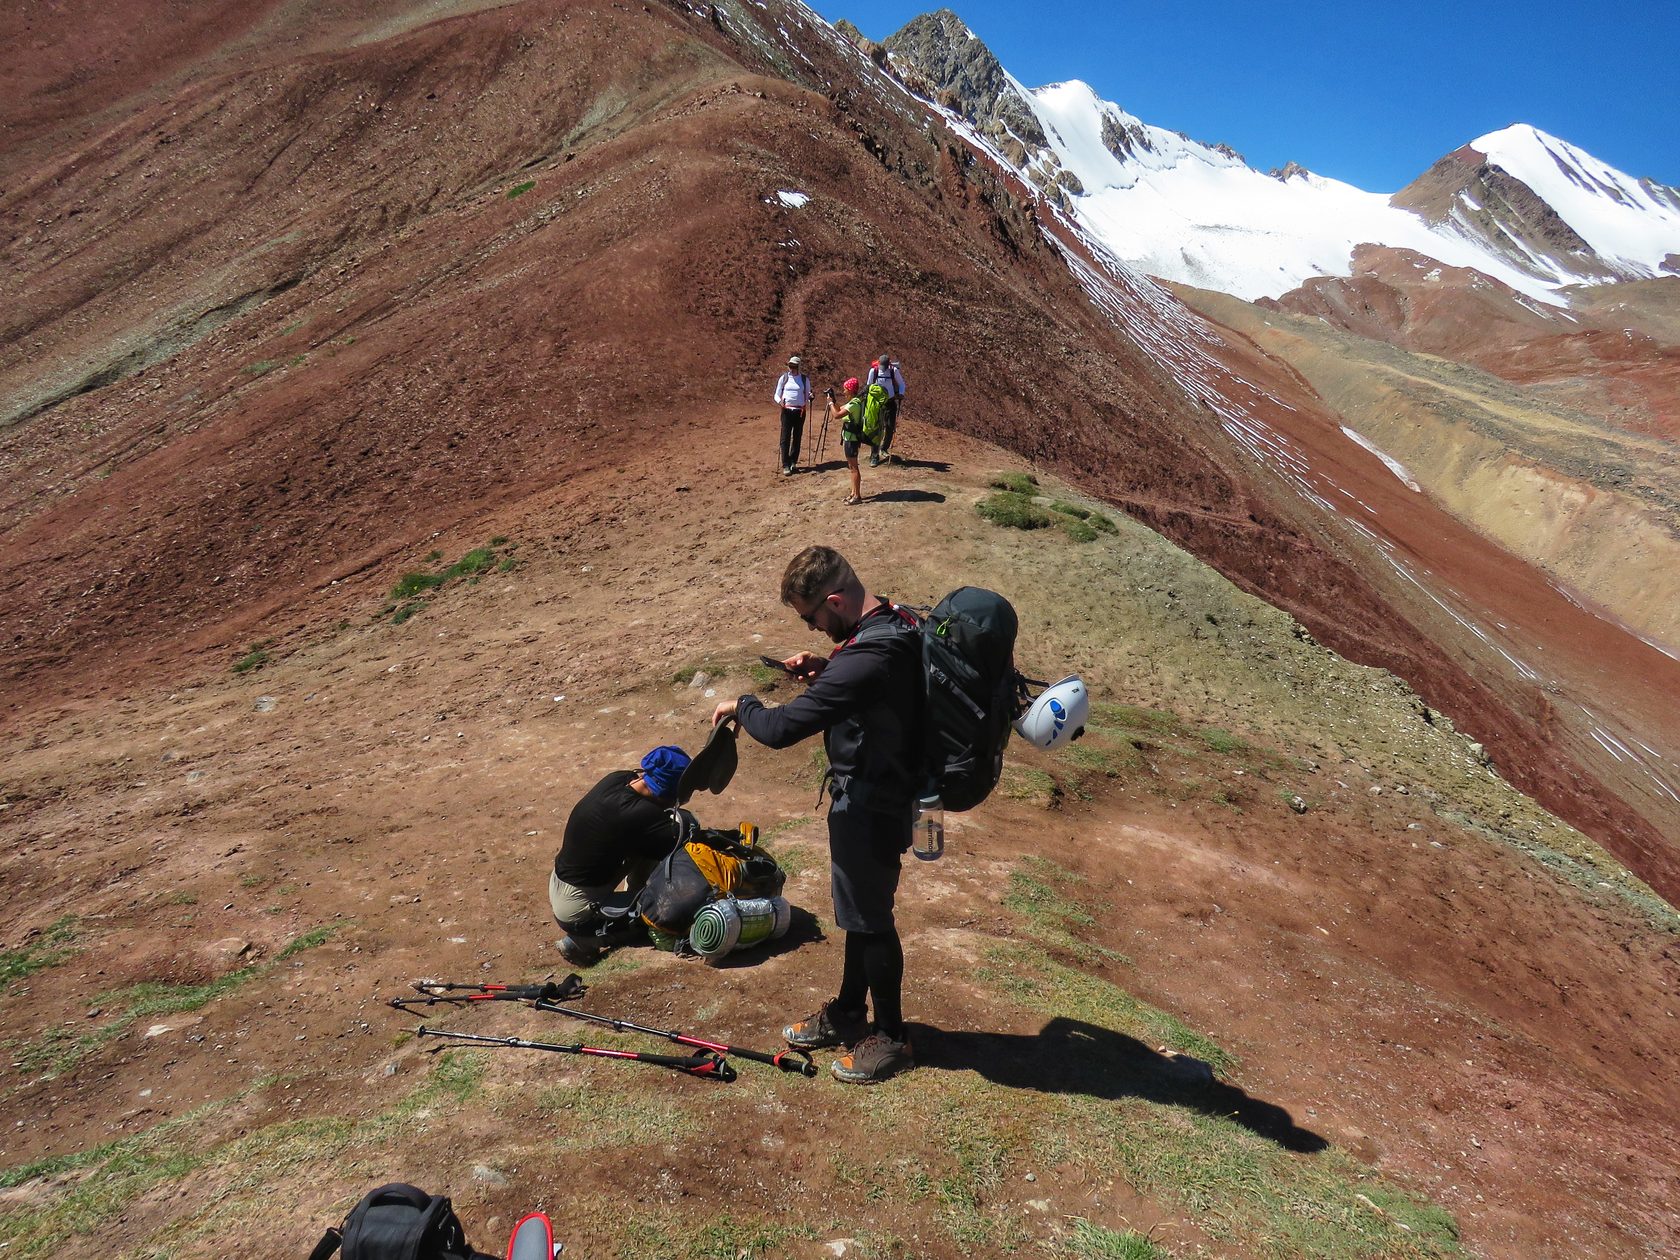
296	296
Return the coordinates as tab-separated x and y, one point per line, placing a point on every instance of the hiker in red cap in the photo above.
851	435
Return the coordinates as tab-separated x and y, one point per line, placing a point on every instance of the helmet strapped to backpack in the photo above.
1057	716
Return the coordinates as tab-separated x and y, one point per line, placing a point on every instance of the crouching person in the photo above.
616	834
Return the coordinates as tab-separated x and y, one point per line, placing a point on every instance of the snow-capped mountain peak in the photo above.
1522	207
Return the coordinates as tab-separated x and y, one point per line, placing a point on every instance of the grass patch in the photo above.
520	189
1087	1241
1015	483
58	1050
53	945
1247	1191
794	859
405	599
1222	741
255	659
109	1178
712	670
1036	787
1039	983
262	367
1013	511
1038	892
594	1115
1079	530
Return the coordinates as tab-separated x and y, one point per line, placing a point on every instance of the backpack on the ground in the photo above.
706	865
972	693
398	1222
874	412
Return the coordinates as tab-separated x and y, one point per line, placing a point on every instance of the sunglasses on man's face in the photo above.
810	618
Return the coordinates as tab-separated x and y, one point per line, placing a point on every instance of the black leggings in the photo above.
793	429
875	968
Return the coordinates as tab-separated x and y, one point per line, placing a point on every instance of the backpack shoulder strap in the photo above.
330	1242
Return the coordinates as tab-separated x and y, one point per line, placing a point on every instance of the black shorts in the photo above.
865	849
850	446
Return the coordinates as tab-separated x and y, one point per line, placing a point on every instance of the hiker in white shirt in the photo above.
793	396
886	372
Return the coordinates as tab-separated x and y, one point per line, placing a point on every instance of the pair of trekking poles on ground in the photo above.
708	1059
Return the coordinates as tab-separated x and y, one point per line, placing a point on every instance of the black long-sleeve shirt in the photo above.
868	704
612	826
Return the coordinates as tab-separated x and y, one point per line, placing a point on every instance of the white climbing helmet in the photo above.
1057	716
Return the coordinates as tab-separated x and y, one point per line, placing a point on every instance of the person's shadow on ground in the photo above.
1068	1056
905	496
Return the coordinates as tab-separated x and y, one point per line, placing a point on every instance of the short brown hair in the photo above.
815	573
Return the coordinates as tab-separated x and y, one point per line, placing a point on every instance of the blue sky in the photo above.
1370	93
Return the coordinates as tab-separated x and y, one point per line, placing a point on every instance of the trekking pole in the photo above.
828	414
710	1065
440	991
789	1060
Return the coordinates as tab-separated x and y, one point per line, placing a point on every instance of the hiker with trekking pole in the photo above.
851	436
617	833
865	699
793	396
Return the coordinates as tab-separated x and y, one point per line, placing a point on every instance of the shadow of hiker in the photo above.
1068	1056
935	465
905	496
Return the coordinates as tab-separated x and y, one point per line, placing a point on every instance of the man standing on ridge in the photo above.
620	830
793	396
885	372
865	698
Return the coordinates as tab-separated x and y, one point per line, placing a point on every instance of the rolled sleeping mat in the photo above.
729	924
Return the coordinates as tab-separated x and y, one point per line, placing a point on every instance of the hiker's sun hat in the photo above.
793	360
662	768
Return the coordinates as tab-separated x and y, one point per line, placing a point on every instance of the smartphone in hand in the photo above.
773	663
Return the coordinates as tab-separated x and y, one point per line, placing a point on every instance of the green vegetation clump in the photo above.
256	658
50	948
1016	505
405	598
58	1050
520	189
1097	1242
1015	483
1013	511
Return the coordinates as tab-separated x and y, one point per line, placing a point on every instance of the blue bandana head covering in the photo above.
662	768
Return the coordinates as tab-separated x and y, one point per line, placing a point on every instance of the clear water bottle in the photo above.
929	840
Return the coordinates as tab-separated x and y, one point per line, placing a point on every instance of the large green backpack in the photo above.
874	412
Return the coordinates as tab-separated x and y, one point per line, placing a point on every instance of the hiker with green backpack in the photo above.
885	374
866	700
851	435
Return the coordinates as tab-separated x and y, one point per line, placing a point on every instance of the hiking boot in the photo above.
874	1059
874	461
829	1027
787	471
578	953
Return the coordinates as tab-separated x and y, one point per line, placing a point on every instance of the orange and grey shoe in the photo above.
874	1059
829	1027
